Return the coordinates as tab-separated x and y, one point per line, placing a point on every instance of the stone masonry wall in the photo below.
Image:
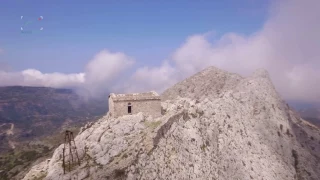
148	107
111	107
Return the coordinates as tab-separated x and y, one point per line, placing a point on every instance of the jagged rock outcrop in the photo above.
209	82
215	125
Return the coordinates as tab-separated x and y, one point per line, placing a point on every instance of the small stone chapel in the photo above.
148	103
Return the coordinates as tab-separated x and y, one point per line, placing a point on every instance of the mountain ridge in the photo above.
229	127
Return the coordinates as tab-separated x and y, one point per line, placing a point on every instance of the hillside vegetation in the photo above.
32	121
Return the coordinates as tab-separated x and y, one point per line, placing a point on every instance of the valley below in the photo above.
33	121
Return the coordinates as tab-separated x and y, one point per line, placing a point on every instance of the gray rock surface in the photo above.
215	125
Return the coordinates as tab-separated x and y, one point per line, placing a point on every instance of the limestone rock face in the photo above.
38	171
209	82
215	125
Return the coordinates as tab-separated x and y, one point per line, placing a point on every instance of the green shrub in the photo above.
29	155
152	124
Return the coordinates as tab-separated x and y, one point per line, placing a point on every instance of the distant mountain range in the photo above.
33	118
311	114
308	111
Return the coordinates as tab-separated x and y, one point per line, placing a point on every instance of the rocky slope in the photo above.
215	125
31	118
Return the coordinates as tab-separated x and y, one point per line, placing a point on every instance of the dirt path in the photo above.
11	144
10	131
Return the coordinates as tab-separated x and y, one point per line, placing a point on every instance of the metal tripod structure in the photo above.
69	142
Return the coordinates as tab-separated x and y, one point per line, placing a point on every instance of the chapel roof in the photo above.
152	95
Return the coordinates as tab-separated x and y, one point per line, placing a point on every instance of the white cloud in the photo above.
287	46
32	77
147	78
36	78
100	74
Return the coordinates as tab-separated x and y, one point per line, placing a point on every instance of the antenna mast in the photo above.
70	144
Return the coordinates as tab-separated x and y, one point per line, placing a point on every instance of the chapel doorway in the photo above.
129	108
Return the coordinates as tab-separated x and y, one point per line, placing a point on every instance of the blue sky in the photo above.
149	31
135	46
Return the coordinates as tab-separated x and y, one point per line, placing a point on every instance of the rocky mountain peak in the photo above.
209	82
214	125
261	73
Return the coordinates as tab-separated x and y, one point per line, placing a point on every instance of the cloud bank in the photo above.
99	75
287	46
